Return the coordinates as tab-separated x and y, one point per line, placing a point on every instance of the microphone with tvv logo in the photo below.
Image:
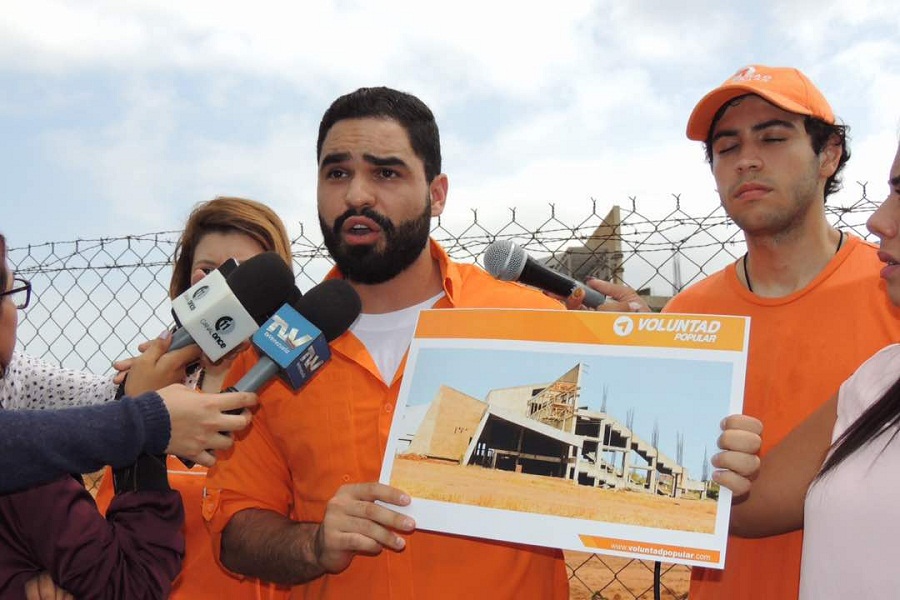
294	342
221	312
506	261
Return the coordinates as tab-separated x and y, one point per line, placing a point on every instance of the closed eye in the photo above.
725	148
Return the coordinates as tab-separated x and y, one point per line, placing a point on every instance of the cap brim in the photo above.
702	115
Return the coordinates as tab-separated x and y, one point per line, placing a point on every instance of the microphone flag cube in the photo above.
213	316
297	346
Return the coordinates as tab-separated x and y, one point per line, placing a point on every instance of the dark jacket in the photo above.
37	446
134	553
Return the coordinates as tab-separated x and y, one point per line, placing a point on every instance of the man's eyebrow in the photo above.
756	128
723	133
384	161
378	161
337	157
773	123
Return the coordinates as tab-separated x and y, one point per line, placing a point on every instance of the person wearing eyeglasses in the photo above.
19	293
29	382
215	230
37	446
55	528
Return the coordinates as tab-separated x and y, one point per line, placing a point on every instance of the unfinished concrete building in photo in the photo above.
543	429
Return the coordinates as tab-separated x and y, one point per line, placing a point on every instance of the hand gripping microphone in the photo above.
506	261
294	342
220	312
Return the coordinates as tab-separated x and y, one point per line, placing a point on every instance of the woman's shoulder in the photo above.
869	383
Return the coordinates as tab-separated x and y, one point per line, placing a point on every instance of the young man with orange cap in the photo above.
811	290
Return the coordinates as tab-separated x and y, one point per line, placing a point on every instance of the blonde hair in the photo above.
226	214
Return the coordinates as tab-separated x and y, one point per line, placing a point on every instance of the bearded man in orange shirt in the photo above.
295	503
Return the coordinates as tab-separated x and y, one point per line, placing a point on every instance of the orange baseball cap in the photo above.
785	87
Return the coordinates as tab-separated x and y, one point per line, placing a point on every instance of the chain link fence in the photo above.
94	301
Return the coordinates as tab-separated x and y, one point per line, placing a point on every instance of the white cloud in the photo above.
537	104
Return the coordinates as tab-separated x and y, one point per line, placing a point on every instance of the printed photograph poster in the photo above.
579	430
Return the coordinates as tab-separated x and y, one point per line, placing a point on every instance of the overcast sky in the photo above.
118	116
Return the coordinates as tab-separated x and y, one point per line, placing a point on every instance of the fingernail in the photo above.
165	334
404	499
634	306
409	524
400	543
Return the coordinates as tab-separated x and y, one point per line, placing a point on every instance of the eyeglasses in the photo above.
20	292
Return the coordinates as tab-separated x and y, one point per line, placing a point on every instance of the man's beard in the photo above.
363	263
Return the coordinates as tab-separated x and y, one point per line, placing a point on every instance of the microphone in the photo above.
508	262
294	341
222	310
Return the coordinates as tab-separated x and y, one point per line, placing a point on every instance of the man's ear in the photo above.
438	189
830	156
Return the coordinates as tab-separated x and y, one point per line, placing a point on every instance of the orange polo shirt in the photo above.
201	576
302	446
802	347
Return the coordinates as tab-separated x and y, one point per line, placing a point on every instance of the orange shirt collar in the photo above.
450	274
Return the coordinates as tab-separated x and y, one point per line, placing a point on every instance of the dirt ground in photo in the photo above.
448	482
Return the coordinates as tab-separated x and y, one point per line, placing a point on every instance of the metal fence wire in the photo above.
95	300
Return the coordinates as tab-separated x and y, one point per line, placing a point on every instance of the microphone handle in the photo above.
264	370
545	278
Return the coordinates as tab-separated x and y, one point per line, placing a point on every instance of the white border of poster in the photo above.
674	376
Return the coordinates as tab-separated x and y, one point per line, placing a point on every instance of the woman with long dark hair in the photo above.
836	475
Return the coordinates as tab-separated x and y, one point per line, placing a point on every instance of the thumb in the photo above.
157	347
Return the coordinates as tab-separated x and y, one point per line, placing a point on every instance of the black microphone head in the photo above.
332	306
227	267
504	260
262	284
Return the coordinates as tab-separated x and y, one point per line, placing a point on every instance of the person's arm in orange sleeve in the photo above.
249	495
268	545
